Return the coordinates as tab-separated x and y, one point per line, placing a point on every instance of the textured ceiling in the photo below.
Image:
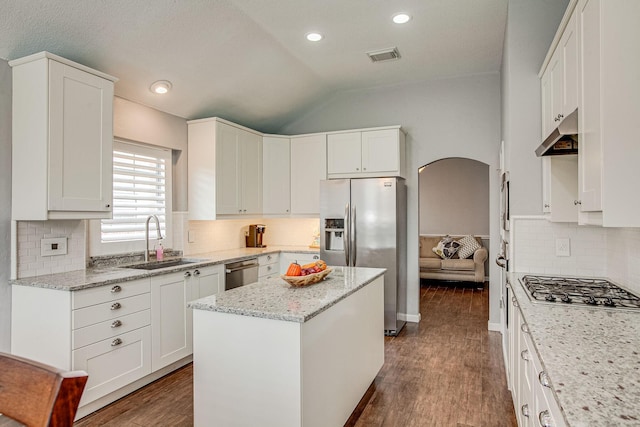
247	60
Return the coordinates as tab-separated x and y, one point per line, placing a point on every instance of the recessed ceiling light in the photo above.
314	37
401	18
160	87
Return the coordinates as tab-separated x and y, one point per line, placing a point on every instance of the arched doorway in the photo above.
454	200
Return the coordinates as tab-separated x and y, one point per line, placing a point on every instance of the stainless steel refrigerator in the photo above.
363	223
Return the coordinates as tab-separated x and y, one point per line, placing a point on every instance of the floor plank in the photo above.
446	370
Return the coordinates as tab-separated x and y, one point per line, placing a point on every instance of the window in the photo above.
141	187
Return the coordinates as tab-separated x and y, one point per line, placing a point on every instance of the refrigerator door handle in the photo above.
354	234
345	238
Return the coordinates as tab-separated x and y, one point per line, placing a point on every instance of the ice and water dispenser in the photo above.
334	229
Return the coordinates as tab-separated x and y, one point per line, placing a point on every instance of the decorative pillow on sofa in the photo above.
446	248
468	246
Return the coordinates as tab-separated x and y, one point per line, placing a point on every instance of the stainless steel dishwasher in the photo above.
241	273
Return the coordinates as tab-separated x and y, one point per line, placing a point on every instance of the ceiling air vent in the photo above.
384	55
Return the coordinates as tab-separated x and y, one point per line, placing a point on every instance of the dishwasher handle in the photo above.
234	268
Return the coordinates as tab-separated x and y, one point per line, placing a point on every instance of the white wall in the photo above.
458	117
5	205
531	26
454	197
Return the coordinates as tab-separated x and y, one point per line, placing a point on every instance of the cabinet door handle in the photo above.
268	257
116	306
543	377
545	418
316	257
116	324
268	268
115	289
196	273
524	409
524	354
116	342
577	202
524	328
546	205
187	274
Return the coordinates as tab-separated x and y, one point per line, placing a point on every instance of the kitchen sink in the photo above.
154	265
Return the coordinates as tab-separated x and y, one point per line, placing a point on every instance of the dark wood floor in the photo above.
446	370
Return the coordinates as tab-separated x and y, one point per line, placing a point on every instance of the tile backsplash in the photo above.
31	263
594	251
208	236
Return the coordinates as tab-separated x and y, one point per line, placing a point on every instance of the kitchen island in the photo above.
272	355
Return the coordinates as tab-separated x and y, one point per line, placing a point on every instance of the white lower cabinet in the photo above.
171	320
533	398
113	363
171	323
268	266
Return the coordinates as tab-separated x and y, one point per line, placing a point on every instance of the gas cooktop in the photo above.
579	291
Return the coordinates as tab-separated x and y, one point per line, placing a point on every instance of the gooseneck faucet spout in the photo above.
146	234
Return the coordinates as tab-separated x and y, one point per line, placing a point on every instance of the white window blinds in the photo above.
141	187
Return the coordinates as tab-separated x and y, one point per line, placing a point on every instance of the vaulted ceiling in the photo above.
248	60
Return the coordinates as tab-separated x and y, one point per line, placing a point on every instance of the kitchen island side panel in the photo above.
257	371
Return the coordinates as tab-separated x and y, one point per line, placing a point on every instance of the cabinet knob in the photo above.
187	274
116	342
524	328
357	169
116	306
268	257
525	410
107	205
116	324
268	268
116	289
524	355
543	377
364	169
196	273
557	119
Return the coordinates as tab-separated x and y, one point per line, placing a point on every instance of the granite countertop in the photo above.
275	299
592	357
100	276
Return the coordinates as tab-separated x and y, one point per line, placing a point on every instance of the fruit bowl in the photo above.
309	279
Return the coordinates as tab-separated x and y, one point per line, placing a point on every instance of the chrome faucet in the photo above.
146	234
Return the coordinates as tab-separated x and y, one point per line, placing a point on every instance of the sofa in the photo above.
432	266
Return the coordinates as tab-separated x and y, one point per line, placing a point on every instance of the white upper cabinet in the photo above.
308	168
225	170
559	82
276	175
62	140
608	125
367	153
560	187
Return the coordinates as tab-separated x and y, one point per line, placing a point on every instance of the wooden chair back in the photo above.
39	395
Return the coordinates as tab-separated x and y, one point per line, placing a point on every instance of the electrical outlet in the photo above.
563	246
53	246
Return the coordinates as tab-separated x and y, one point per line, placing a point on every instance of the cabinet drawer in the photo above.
111	292
268	259
265	270
110	328
114	362
109	310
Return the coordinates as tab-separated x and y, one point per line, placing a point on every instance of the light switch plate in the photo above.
53	246
563	246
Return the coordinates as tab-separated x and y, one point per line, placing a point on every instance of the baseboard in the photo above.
413	318
496	327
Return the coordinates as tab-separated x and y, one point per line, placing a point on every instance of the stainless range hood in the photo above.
563	139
